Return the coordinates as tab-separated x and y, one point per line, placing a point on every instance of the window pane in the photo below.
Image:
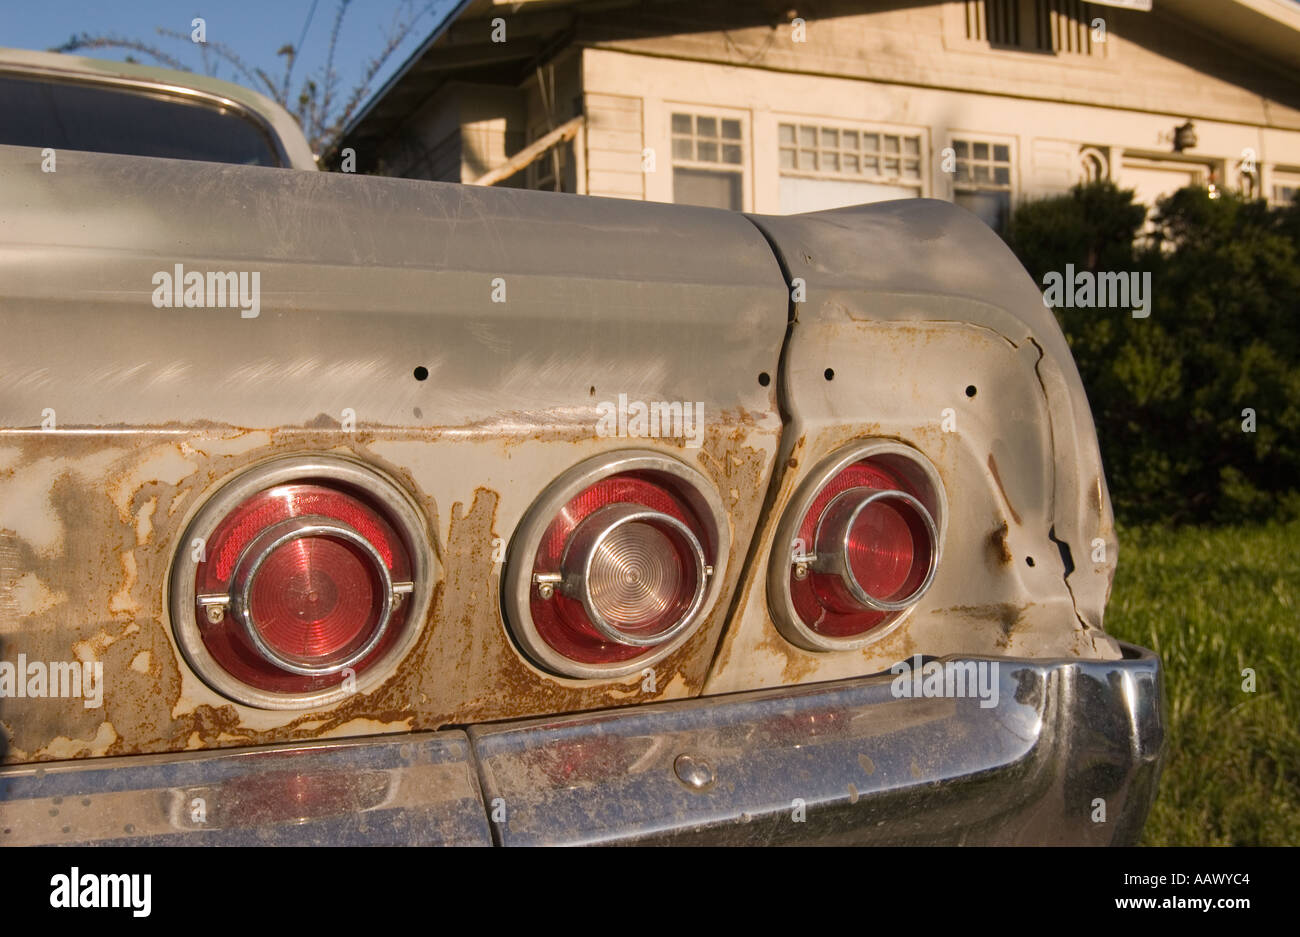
707	187
992	207
708	152
871	142
850	163
706	126
831	162
912	145
871	165
731	130
830	139
912	169
981	150
77	116
849	139
785	133
682	123
787	158
1002	153
963	172
891	144
797	195
1002	175
682	148
962	148
981	173
891	167
807	136
731	154
807	159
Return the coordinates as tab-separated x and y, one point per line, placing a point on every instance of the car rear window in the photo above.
107	119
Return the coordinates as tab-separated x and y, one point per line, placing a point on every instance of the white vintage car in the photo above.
343	509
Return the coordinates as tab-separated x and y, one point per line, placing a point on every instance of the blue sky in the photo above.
253	29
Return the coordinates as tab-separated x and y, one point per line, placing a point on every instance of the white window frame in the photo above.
841	126
1013	189
744	169
992	139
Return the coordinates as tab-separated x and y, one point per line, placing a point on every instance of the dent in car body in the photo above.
941	307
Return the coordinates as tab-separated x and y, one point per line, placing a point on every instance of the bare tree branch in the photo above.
86	41
316	105
396	35
224	52
290	55
329	79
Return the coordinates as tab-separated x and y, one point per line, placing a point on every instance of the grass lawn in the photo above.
1213	602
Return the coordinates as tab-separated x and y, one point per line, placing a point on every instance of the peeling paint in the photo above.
464	666
22	597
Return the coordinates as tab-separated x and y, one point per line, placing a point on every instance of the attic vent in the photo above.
1063	26
994	21
1059	26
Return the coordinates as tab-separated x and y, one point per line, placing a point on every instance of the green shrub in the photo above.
1169	391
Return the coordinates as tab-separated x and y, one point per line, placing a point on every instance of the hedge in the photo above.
1197	404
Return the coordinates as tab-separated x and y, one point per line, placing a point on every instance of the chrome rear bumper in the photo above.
1070	753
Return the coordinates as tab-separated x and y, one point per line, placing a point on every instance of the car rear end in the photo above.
403	512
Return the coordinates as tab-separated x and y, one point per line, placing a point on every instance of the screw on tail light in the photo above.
857	547
615	565
300	582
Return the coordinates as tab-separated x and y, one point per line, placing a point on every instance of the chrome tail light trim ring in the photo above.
585	545
211	509
903	459
833	551
517	578
260	549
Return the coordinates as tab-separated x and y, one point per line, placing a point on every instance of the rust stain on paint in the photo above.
993	468
114	507
1007	615
998	547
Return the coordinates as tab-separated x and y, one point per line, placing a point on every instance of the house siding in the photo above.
1148	62
890	70
614	145
920	71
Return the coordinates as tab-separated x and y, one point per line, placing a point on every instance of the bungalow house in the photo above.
777	107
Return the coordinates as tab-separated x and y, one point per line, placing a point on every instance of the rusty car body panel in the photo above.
93	511
931	344
461	341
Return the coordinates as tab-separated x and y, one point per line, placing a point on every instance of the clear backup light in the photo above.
857	547
639	575
300	582
615	566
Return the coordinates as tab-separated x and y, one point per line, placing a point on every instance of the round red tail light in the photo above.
299	582
875	550
857	547
615	565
